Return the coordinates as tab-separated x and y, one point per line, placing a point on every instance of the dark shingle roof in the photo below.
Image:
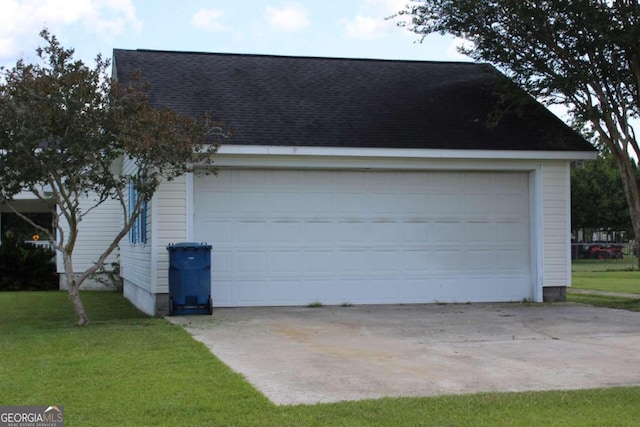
306	101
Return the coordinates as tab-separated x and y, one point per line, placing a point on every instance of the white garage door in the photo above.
294	237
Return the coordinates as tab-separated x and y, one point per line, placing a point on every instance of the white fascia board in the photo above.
262	150
378	159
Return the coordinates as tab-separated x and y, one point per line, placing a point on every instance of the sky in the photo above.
331	28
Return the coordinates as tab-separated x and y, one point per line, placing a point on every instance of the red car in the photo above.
605	252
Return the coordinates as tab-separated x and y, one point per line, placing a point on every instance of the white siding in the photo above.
170	226
556	223
96	231
135	259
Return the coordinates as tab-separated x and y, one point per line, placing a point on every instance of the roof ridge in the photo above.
311	57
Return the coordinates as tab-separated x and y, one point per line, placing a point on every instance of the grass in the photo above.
127	369
610	281
608	301
597	265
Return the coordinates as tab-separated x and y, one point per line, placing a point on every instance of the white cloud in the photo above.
365	27
208	20
292	17
7	47
371	23
22	20
387	7
111	17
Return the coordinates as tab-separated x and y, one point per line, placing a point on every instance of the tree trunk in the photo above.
74	295
74	290
632	193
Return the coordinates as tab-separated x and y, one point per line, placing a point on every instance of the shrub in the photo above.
25	267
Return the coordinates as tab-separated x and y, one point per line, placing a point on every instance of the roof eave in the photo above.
403	153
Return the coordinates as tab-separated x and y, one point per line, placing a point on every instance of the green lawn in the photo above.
593	265
611	281
606	301
127	369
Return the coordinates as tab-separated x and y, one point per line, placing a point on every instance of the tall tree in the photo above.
584	54
63	128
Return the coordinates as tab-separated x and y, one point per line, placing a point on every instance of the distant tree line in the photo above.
597	197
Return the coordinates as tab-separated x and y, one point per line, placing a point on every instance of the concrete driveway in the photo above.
306	355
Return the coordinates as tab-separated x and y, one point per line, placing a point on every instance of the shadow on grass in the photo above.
609	301
54	309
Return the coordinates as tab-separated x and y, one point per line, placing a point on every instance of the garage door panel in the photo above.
317	204
351	179
249	204
385	204
284	263
295	237
286	231
250	262
386	232
318	290
510	232
480	232
318	262
351	262
449	260
251	292
421	287
248	178
418	261
515	259
448	204
215	203
250	232
478	181
285	179
385	261
351	204
417	204
511	182
222	293
223	230
417	231
354	290
453	289
284	292
318	231
351	231
478	204
448	182
514	205
450	232
480	260
222	263
283	204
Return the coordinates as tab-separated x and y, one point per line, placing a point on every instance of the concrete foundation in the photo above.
149	303
554	294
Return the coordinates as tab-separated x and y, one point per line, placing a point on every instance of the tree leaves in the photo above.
64	125
584	54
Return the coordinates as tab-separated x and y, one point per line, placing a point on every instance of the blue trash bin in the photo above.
189	278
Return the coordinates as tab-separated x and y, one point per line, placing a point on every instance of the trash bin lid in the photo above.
188	245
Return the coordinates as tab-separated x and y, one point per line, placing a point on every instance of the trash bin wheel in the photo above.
209	306
171	308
